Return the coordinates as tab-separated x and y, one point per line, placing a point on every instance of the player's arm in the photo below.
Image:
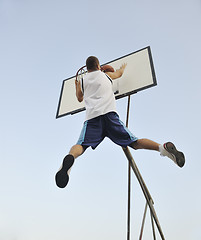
79	93
118	73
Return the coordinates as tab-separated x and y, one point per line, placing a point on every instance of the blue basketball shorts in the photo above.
107	125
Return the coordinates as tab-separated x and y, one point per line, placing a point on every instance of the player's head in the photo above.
92	64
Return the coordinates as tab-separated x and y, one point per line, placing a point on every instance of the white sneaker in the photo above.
168	149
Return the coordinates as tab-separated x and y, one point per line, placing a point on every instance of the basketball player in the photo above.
102	120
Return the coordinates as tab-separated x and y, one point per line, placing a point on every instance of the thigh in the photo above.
92	133
118	132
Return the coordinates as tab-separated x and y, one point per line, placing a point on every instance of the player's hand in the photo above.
123	66
77	84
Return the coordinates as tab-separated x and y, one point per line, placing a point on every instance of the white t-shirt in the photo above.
98	94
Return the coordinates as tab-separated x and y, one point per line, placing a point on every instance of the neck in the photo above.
92	70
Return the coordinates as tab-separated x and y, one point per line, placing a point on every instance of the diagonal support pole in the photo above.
143	221
144	189
152	223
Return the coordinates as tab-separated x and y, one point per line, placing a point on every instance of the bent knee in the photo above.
134	145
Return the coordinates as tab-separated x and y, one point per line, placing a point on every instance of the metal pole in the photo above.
144	189
129	201
149	200
138	175
152	223
128	110
129	178
143	221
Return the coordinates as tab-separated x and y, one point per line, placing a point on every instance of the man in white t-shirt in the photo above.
103	121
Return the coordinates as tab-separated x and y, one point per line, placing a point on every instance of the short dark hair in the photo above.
92	63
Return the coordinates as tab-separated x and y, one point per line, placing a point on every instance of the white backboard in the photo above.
138	75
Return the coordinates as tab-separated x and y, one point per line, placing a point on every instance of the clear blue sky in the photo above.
44	42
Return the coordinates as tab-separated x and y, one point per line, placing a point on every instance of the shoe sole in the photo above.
62	177
180	159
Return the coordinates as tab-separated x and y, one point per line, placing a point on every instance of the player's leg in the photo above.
62	176
167	149
145	144
76	150
91	135
120	134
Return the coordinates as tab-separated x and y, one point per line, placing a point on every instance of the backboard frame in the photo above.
153	75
